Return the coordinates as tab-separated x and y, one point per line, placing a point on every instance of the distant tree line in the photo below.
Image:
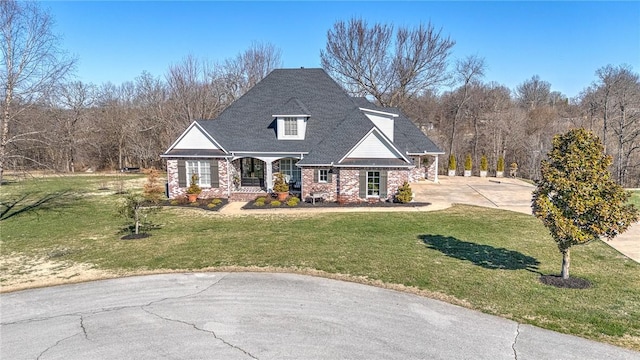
52	121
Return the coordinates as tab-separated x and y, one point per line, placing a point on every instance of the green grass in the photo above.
484	259
635	199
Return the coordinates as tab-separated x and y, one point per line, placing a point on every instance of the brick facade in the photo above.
175	191
344	185
309	186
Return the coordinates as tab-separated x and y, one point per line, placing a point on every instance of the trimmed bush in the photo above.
404	193
452	162
275	203
484	164
468	164
293	201
259	202
500	166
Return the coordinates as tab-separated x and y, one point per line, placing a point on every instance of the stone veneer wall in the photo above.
308	186
345	185
176	191
417	173
348	184
395	179
431	171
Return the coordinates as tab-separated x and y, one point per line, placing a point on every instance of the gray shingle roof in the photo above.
335	124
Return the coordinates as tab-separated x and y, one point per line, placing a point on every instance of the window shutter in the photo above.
316	175
182	174
383	183
213	167
363	184
329	179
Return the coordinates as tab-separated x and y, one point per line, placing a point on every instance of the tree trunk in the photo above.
566	259
5	132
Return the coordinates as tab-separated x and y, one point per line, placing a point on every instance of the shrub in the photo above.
174	202
211	205
216	202
280	185
153	188
259	202
484	164
275	203
468	164
500	166
452	162
404	193
293	201
194	188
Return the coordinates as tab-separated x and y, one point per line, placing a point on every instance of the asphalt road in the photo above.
263	316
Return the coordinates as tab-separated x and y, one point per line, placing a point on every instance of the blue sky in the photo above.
562	42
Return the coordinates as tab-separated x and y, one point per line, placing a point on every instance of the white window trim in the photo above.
326	176
200	165
379	180
290	126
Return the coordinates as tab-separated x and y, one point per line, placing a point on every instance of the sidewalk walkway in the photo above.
504	193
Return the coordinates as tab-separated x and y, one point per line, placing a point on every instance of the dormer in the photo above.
291	121
382	120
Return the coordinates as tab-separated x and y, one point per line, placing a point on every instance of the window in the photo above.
373	183
200	168
288	167
323	175
290	126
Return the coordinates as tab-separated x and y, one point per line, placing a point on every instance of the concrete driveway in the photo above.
507	194
263	316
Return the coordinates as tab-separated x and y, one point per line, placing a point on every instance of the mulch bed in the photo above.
570	283
329	204
199	204
135	236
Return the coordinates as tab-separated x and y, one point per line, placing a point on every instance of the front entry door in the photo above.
252	172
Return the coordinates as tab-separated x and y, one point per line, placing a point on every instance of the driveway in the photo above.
507	194
264	316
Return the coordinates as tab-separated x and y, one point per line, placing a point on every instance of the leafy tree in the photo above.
576	198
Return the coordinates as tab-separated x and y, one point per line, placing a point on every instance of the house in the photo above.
301	123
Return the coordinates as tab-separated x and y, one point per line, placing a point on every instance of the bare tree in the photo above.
370	61
32	63
533	93
73	103
467	71
249	67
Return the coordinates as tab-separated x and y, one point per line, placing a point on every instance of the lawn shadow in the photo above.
485	256
32	202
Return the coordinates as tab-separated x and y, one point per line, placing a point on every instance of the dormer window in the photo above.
290	126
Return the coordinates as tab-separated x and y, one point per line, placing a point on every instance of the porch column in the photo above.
435	174
268	174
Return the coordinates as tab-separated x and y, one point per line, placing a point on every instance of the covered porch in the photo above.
252	176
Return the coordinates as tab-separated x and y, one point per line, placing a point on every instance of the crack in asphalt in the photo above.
117	308
515	340
109	309
200	329
84	330
61	340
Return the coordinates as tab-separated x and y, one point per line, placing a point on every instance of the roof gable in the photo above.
195	138
293	107
374	145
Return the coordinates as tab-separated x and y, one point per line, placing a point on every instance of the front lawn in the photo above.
480	258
